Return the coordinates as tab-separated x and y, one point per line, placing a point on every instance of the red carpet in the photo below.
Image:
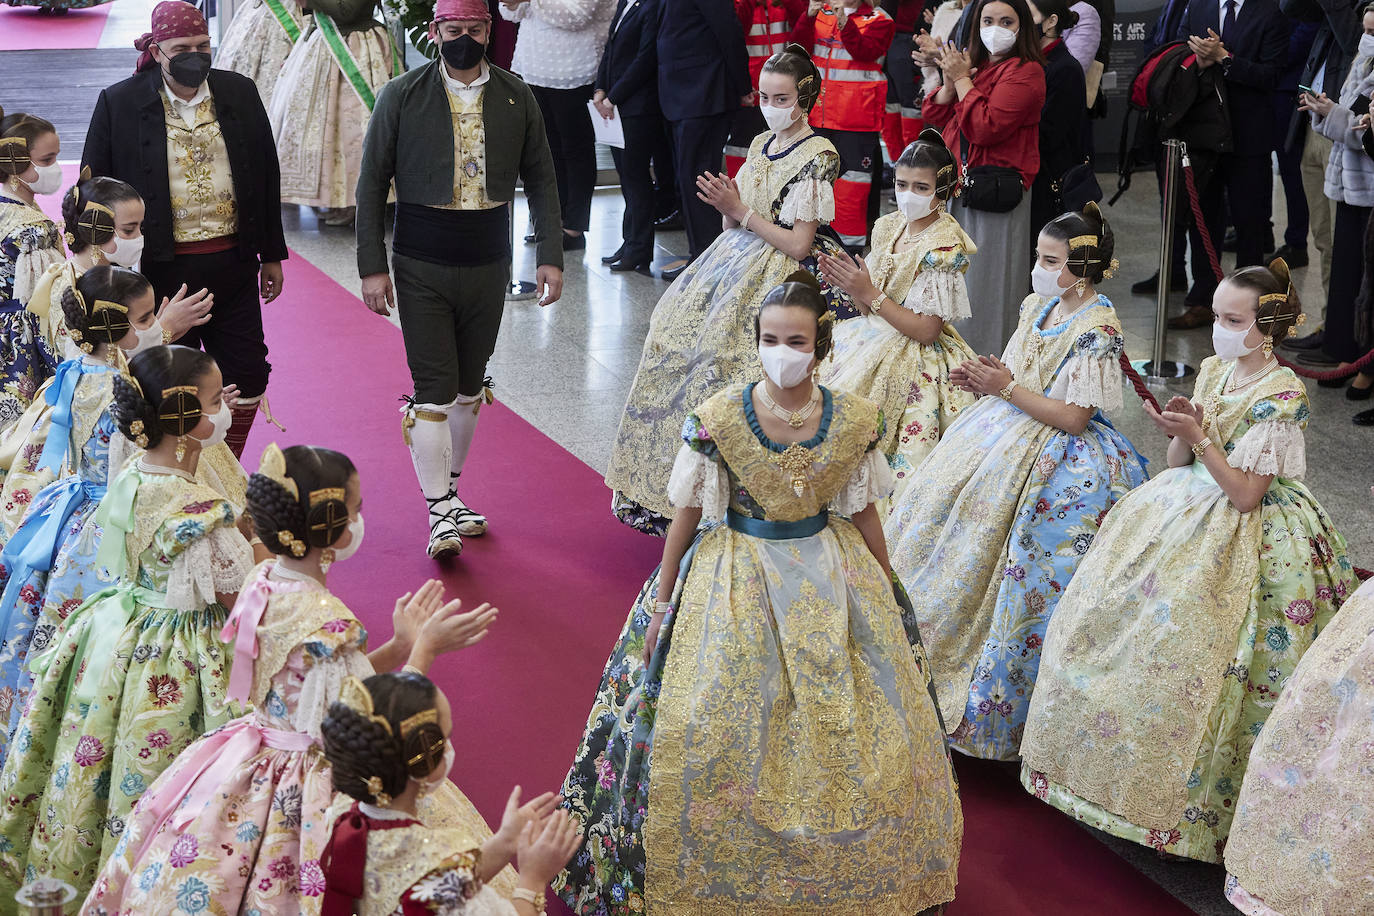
564	573
23	29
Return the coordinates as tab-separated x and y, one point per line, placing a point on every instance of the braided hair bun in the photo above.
801	289
376	754
1091	259
102	283
275	510
143	414
82	233
795	61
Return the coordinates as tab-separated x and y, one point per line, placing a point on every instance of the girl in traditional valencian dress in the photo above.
1303	834
389	743
137	672
47	567
997	518
1200	594
910	287
323	100
30	243
699	336
258	41
764	727
239	819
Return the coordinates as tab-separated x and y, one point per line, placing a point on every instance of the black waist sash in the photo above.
453	238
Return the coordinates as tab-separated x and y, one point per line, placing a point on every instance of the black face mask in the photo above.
463	52
189	68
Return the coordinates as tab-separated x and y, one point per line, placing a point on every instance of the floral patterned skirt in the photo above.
99	728
1302	578
39	599
909	380
256	46
992	527
25	360
254	847
800	641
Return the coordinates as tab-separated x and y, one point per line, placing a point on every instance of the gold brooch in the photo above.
796	460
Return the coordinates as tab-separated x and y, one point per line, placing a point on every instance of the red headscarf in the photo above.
449	10
171	19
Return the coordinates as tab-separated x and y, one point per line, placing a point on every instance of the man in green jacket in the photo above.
454	135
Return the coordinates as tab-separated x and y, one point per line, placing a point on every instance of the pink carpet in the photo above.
23	29
564	572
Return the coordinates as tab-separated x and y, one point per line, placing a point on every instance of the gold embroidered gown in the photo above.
1182	626
909	379
30	243
782	753
701	337
1302	840
256	44
998	516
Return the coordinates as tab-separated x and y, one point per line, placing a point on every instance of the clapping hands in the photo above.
985	375
721	192
429	627
1181	418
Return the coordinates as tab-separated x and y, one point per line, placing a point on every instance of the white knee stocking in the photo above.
462	426
431	449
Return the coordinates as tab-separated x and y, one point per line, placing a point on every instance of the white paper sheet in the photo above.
608	131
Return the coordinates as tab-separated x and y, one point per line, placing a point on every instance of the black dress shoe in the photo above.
1333	382
1359	394
671	221
1363	418
612	258
1293	257
1312	341
672	273
1317	358
640	267
531	239
574	242
1178	283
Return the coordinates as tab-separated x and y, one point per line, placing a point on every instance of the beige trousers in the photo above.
1316	151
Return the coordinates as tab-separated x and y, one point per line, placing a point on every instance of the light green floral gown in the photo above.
135	675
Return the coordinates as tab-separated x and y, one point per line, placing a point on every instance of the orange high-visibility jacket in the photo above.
854	87
767	28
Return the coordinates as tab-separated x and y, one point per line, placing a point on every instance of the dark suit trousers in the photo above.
1290	172
1247	182
637	186
233	335
568	125
1347	271
665	172
699	146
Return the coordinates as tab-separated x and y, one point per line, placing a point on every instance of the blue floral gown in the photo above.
998	516
30	243
782	753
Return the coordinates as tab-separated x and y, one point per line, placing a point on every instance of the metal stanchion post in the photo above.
518	290
45	897
1158	369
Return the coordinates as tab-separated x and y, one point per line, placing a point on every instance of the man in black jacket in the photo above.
1248	41
627	85
197	145
703	76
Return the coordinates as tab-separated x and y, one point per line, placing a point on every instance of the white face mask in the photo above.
915	206
220	421
148	337
440	775
126	251
779	119
785	366
997	39
1230	344
49	180
355	528
1367	45
1045	282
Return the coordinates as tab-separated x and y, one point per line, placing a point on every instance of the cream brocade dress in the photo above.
781	754
1302	841
318	119
256	46
701	336
1182	626
909	380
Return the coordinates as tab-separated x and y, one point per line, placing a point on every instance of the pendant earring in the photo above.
326	559
181	448
1268	345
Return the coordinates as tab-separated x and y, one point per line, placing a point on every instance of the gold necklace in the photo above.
794	418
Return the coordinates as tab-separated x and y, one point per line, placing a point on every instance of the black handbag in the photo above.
991	188
1076	187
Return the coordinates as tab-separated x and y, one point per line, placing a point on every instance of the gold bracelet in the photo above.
166	337
525	895
1005	393
1201	447
408	668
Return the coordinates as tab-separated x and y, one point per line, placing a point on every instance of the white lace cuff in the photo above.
939	293
807	200
871	482
322	684
1272	447
699	481
29	268
217	562
1089	381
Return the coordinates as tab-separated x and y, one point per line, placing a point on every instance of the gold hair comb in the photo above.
273	467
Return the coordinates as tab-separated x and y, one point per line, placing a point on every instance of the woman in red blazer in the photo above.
988	108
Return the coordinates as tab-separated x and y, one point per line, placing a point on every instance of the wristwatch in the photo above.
1005	393
877	304
1226	63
